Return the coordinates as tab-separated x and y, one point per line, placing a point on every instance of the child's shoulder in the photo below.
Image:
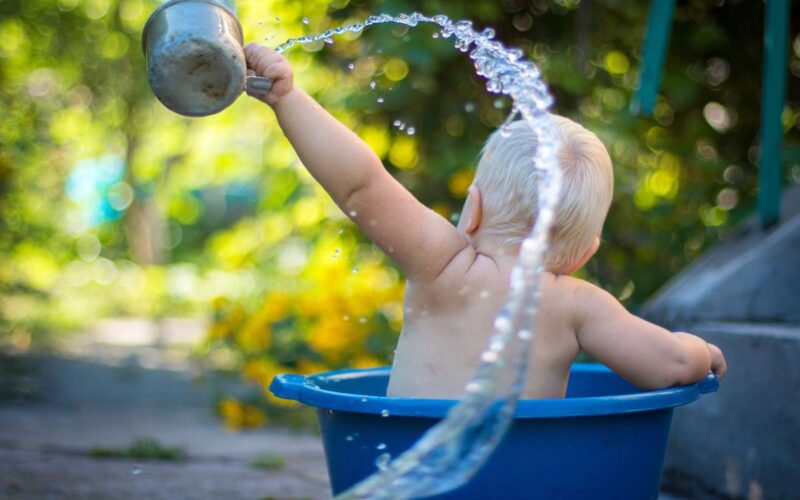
569	293
581	301
562	284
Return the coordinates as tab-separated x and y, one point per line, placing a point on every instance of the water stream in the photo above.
453	450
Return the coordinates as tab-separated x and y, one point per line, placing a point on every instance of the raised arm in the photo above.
420	241
644	354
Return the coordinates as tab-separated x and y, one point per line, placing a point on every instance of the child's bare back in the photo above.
457	277
447	327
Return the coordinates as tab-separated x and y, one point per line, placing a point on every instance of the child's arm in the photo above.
420	241
645	354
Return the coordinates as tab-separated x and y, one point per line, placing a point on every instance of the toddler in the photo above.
457	277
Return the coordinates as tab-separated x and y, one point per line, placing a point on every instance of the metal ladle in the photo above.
195	57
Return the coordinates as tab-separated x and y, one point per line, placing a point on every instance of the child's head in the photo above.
506	180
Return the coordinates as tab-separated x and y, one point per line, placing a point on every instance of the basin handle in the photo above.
709	384
288	386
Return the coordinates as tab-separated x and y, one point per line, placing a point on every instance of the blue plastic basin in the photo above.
605	440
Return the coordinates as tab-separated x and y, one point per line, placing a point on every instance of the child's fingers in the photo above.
718	364
253	53
276	70
266	60
259	58
253	49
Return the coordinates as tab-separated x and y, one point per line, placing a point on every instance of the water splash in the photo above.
453	450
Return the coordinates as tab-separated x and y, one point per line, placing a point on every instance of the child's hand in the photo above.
267	63
718	364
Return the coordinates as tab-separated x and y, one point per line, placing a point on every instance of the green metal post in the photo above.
654	53
776	34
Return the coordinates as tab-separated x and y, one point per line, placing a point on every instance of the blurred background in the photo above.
111	206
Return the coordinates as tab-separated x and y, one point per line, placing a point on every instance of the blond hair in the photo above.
507	181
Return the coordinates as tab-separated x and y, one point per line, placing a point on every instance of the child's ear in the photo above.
586	256
475	210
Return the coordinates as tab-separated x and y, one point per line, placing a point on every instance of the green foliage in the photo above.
269	462
141	449
221	207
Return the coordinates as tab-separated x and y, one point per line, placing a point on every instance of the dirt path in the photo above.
57	411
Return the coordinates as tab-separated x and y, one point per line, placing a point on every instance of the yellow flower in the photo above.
307	367
220	302
276	306
253	417
218	331
334	337
366	361
275	400
237	415
256	334
258	371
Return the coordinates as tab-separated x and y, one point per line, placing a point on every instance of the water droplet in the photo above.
364	400
351	66
489	356
305	20
435	35
362	320
499	104
469	107
328	40
384	413
381	446
353	213
411	131
336	253
348	437
373	84
502	322
525	334
136	469
355	270
396	123
474	386
382	462
380	100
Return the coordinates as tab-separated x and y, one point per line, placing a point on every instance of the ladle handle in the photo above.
257	85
